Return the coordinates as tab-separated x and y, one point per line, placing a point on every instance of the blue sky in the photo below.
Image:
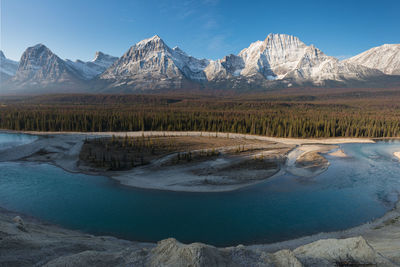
204	28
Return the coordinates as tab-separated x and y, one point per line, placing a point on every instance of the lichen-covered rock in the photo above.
19	223
169	252
48	245
285	258
332	252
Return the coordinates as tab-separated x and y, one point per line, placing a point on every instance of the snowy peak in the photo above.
99	56
178	50
274	57
385	58
278	60
152	63
8	67
36	56
89	70
280	57
103	59
155	39
40	66
284	57
153	44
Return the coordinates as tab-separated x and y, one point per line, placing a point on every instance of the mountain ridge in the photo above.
278	61
8	67
386	58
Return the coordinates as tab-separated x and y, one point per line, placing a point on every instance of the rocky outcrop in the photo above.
331	252
31	243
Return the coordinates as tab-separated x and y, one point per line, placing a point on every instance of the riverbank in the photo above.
29	242
292	141
263	158
26	241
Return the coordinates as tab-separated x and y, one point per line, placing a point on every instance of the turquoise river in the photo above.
352	191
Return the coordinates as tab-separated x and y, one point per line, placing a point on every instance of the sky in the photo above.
76	29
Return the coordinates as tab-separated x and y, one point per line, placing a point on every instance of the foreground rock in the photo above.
39	244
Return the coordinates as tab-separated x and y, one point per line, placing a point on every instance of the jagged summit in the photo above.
279	60
282	57
151	63
39	67
98	56
180	51
89	70
39	46
150	41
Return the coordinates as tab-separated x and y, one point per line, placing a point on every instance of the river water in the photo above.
352	191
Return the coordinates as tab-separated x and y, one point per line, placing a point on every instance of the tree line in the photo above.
283	119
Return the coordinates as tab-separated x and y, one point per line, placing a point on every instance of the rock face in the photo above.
38	244
385	58
8	67
330	252
40	68
285	58
151	64
279	61
89	70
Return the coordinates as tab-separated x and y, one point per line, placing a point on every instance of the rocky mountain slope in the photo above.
151	64
40	68
8	67
278	61
279	58
90	69
285	58
385	58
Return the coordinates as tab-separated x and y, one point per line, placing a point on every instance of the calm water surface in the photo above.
352	191
12	140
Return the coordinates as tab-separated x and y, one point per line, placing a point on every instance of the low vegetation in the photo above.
124	153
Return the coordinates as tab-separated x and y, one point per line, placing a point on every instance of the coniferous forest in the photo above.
319	113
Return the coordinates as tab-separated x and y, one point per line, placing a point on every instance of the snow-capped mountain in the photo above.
90	69
283	57
152	64
279	61
385	58
8	67
39	67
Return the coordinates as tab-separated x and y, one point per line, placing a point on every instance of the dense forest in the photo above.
317	114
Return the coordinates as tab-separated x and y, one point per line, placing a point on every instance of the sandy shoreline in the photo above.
397	155
382	234
62	150
338	153
291	141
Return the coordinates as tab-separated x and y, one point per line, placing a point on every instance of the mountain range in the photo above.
278	61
